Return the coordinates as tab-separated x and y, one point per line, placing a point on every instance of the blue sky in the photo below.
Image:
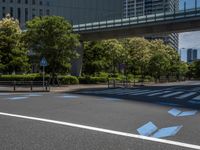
189	39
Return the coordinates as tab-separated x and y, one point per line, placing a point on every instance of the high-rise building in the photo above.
134	8
191	55
76	11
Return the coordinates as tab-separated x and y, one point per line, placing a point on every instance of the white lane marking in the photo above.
171	94
111	91
142	93
159	93
130	92
175	143
186	95
197	98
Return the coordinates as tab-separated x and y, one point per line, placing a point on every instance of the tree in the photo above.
160	60
139	55
13	55
114	52
94	60
52	37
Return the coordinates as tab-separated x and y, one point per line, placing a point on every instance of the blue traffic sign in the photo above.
43	62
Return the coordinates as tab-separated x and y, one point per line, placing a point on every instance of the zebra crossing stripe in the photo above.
197	98
128	92
147	92
159	93
171	94
186	95
110	91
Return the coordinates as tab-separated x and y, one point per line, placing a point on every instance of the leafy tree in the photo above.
52	37
139	55
115	53
194	69
94	60
183	69
13	55
160	59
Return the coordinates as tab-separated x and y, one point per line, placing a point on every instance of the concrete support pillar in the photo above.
78	63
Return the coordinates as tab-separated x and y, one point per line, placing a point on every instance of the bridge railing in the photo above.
123	22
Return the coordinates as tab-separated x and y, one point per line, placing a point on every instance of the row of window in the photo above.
18	13
33	2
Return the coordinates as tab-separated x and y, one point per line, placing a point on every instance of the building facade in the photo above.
189	54
76	11
134	8
192	55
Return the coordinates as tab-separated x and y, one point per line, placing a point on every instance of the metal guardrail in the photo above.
123	22
24	85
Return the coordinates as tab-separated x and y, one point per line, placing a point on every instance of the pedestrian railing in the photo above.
24	86
126	22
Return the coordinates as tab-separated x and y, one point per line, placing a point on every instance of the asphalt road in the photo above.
105	116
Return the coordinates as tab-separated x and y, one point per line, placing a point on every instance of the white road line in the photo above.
197	98
130	92
154	91
175	143
186	95
171	94
155	94
140	92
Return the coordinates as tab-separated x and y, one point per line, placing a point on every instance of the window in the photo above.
26	14
11	1
40	12
3	1
18	1
4	12
47	12
33	13
41	3
33	2
26	1
19	14
11	11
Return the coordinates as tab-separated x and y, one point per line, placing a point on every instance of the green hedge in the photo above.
92	80
38	77
29	77
68	80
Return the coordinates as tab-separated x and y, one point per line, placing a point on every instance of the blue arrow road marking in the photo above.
178	113
17	98
147	130
174	112
167	132
188	113
34	95
69	96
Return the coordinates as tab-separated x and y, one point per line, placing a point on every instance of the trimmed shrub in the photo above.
92	80
39	77
28	77
68	80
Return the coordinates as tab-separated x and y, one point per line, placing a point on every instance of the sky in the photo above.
189	39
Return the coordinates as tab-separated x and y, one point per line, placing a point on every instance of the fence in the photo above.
24	86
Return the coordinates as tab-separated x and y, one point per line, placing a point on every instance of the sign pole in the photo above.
43	76
43	64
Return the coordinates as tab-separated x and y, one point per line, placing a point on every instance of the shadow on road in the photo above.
187	102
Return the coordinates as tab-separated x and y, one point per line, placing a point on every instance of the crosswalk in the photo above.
192	96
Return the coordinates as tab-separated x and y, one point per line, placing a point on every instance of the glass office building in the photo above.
76	11
134	8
